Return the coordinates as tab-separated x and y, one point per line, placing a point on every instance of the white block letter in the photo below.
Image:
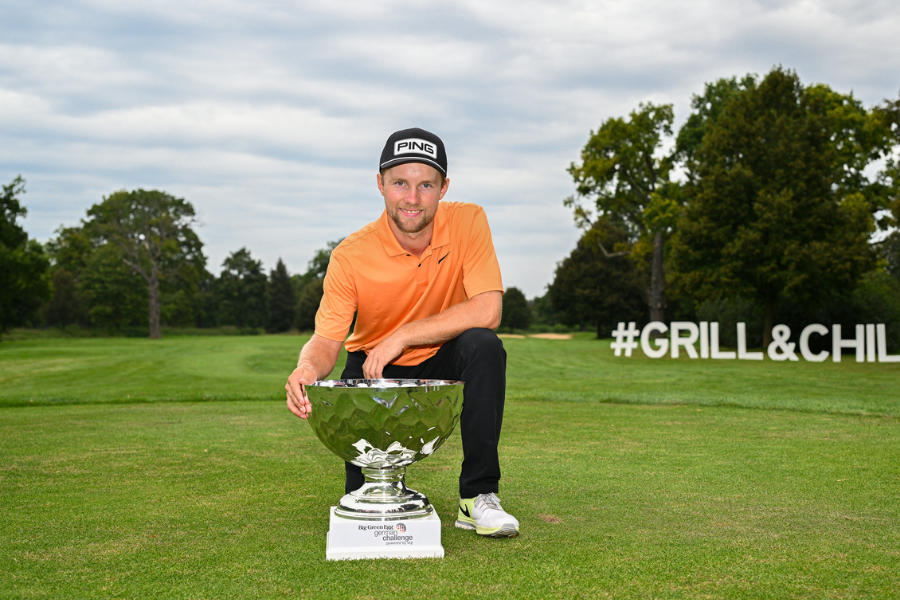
804	342
662	344
858	342
704	339
742	353
693	333
714	343
870	343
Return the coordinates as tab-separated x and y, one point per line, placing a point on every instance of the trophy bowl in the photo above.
382	426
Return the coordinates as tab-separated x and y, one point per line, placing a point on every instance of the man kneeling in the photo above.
424	284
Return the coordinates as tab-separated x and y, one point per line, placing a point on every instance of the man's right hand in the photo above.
297	401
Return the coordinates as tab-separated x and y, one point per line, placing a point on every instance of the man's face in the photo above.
411	194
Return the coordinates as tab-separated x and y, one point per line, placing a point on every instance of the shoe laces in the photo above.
489	501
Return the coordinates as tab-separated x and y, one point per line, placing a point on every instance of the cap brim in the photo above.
412	159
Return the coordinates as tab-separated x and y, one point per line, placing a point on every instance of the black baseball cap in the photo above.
414	145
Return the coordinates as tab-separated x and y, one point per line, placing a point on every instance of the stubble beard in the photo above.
410	228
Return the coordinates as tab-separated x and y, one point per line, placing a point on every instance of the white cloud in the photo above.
269	117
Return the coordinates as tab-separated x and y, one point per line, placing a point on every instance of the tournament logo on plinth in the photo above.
382	426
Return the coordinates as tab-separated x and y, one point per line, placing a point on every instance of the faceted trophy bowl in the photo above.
383	425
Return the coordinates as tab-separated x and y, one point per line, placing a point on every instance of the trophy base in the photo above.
370	502
384	496
350	539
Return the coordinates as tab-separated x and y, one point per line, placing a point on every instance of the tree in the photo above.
318	264
592	288
152	232
885	124
307	305
706	109
309	287
69	252
65	306
877	300
624	173
889	249
11	234
779	207
241	291
183	293
92	286
282	301
23	277
542	310
516	312
115	296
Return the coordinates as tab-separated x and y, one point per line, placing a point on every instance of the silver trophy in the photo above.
383	425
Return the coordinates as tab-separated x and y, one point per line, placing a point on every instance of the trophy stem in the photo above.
384	496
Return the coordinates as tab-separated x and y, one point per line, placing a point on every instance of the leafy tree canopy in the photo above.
623	169
591	287
24	281
516	312
282	300
241	291
11	233
153	234
309	287
780	207
625	174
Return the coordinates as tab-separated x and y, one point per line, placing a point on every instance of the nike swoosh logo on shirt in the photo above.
443	257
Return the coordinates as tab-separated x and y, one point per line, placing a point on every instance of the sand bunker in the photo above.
552	336
543	336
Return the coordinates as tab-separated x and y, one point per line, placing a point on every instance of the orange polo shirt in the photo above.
371	274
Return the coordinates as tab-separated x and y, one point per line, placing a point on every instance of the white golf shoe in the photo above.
484	514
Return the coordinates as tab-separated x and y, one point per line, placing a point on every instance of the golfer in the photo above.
424	283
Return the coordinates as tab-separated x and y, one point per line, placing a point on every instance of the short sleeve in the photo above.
339	299
481	270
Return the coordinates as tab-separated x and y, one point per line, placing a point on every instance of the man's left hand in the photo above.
381	356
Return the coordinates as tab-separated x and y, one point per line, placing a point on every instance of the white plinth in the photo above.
349	539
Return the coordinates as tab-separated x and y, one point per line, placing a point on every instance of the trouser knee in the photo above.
480	343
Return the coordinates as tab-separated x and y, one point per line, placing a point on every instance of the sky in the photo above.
269	117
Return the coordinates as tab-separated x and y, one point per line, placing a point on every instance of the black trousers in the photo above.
476	357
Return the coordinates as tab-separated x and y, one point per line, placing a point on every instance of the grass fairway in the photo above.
137	469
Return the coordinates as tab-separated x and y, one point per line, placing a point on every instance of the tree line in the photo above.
135	262
775	202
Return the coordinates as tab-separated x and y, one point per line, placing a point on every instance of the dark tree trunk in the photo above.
657	296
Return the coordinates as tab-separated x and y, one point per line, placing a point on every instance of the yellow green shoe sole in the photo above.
463	522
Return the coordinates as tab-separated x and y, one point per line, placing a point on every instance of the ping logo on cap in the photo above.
415	146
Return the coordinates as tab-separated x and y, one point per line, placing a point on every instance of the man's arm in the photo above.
317	359
482	310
